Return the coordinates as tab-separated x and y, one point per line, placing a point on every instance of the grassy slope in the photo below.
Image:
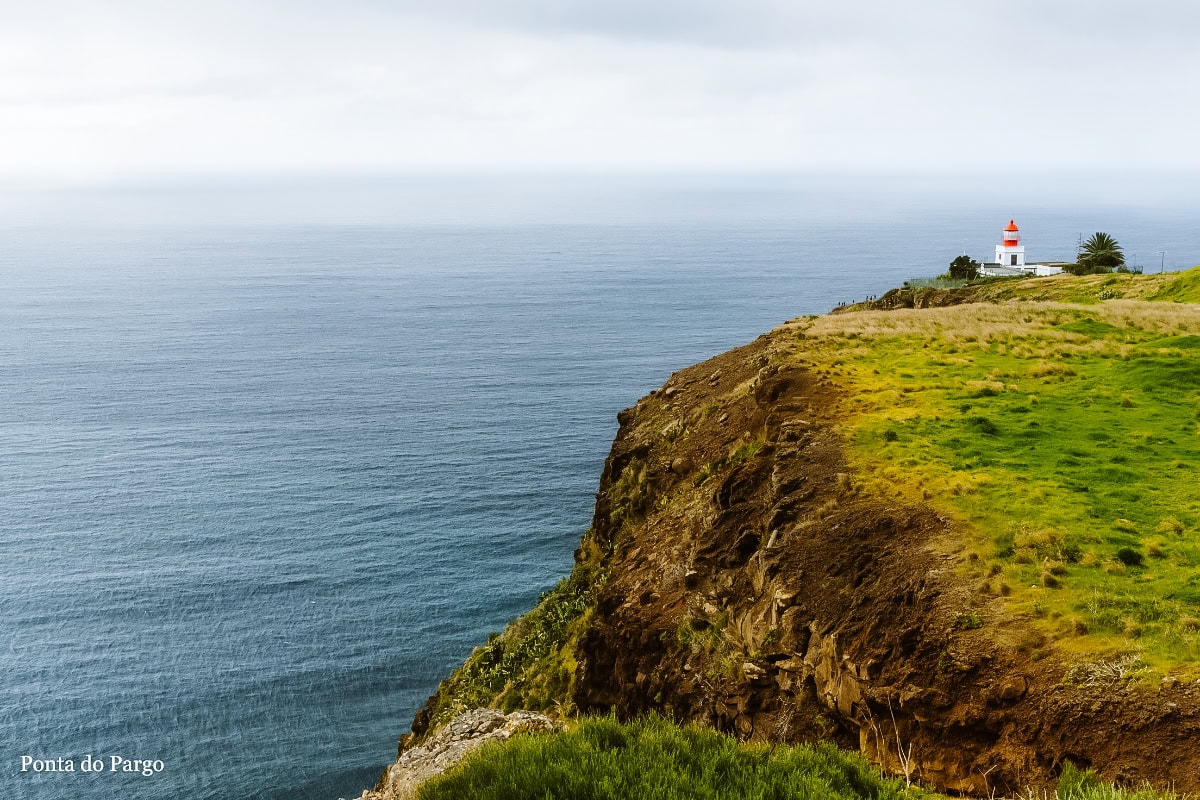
1063	438
601	759
1183	289
1086	289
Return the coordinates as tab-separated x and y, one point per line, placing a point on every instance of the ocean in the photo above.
263	486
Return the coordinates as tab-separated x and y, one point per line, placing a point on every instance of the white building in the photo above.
1010	258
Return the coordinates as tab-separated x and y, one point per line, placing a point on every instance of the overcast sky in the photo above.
99	90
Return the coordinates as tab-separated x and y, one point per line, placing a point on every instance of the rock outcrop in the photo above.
448	746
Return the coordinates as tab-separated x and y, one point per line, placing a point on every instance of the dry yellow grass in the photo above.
1008	321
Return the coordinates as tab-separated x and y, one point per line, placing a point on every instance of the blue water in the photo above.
261	488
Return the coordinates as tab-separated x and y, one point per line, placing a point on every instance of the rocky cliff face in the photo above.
765	594
751	584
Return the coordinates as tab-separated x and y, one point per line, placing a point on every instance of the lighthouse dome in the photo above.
1011	237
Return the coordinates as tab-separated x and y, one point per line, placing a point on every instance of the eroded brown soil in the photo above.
763	593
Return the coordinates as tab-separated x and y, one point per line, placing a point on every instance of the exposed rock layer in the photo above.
448	746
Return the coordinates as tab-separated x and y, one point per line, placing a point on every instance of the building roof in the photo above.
997	271
1012	226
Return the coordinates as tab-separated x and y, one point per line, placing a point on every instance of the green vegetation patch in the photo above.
1080	289
739	455
532	664
602	759
1178	342
1184	289
1064	440
1084	784
1091	327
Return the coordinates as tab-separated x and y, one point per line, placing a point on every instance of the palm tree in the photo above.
1101	253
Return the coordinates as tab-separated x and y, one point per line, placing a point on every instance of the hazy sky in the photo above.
99	90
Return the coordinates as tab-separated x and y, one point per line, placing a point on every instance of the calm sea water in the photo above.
262	488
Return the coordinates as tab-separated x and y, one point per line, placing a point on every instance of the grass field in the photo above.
601	759
1064	440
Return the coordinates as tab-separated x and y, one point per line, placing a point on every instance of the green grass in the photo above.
739	455
601	759
1063	439
1184	289
1078	784
1080	289
936	283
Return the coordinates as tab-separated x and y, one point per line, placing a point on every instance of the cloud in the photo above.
146	87
982	27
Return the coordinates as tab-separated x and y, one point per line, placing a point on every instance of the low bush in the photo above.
1130	557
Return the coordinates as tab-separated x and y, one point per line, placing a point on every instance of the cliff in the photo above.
960	535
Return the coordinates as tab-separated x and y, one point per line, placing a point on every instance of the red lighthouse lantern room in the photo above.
1011	236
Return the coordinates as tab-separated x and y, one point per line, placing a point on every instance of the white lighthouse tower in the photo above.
1010	252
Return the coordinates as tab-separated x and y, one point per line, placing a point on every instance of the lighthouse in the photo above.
1010	259
1010	252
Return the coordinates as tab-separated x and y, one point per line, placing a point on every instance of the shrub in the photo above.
969	621
745	452
1130	557
983	425
710	469
963	268
1071	553
1006	544
1170	525
1103	672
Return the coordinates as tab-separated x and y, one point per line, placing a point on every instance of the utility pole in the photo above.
1162	263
